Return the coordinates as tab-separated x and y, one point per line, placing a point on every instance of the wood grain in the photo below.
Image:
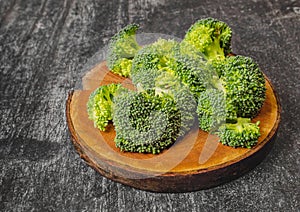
176	169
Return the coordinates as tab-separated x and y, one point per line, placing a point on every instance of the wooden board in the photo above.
196	162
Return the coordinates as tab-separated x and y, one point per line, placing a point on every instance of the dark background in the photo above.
44	48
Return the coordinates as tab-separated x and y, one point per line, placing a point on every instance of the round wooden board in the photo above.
198	161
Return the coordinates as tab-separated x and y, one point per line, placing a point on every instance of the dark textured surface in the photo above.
44	46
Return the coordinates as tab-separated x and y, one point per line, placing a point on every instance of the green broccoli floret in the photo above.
153	69
239	92
99	105
211	37
213	110
243	84
145	121
151	61
169	83
154	118
192	68
168	56
243	133
121	50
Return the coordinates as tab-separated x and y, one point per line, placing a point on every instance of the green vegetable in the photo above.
175	82
151	61
211	37
238	92
168	83
213	110
243	133
159	89
243	84
145	122
121	50
99	105
193	69
154	68
150	120
188	66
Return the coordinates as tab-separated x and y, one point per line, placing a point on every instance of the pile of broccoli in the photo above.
197	81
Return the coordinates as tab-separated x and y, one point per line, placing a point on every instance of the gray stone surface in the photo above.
44	46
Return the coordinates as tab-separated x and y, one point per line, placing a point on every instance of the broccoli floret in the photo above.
151	61
121	50
239	92
243	133
145	121
243	83
211	37
169	83
153	69
99	105
192	68
169	56
154	118
213	110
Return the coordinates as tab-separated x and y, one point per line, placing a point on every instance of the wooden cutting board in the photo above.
198	161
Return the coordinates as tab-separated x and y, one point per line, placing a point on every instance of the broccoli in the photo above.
169	56
175	82
99	105
211	37
151	61
218	117
243	84
153	69
238	92
237	96
213	110
151	120
145	122
169	83
121	50
243	133
192	68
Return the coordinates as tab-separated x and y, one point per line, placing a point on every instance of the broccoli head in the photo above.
121	50
213	110
154	118
211	37
244	84
192	68
243	133
170	56
169	83
145	122
151	61
153	69
99	105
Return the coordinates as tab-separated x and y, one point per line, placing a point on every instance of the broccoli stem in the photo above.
214	51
